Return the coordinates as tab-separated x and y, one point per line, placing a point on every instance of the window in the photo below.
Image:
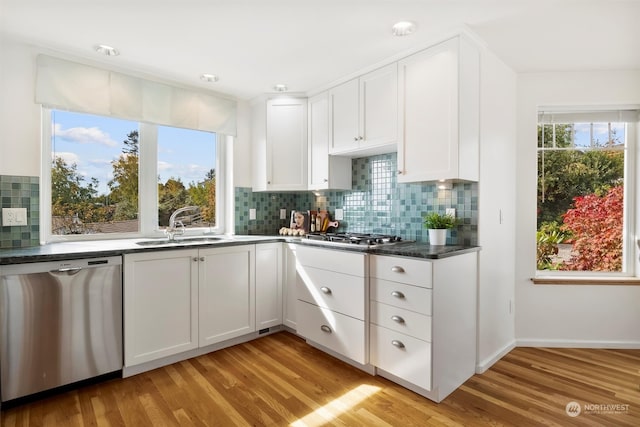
584	201
123	178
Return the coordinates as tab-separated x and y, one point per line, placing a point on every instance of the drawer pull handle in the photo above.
325	290
397	269
397	294
397	343
397	319
326	329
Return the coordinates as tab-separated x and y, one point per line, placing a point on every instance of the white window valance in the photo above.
550	116
72	86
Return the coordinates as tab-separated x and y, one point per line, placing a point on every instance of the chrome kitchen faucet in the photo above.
172	229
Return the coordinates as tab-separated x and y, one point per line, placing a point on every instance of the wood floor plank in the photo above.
279	380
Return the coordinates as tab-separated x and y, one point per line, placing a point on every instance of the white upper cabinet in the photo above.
280	145
363	114
325	172
439	108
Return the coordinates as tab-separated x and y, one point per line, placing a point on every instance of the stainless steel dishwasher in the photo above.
61	322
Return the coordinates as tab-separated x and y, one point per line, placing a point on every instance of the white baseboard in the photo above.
534	342
485	364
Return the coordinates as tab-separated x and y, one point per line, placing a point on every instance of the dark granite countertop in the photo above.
405	249
103	248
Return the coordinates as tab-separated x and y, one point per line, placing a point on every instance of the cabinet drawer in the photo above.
332	259
340	333
400	295
339	292
401	355
404	270
403	321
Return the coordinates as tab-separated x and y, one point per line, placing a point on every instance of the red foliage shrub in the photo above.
596	224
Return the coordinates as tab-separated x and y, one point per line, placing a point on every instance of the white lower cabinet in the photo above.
402	355
179	300
343	334
227	293
269	280
290	278
160	304
332	300
423	321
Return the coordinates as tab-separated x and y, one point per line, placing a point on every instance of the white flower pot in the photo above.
438	237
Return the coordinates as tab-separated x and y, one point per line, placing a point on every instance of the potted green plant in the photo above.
437	224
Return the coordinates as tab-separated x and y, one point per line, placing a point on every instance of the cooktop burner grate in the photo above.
368	239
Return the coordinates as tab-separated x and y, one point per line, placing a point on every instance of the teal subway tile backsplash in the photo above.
20	192
376	204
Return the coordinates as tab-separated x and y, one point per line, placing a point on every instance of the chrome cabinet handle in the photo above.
201	258
325	290
397	269
397	343
326	329
195	259
360	138
325	180
397	294
399	172
355	138
397	319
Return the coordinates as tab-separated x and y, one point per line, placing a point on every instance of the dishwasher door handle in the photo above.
69	270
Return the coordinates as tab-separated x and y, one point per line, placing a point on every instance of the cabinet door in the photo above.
343	117
291	277
227	293
379	107
268	285
286	144
428	148
319	141
160	304
325	171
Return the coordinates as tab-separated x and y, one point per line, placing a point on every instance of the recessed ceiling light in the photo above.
209	78
403	28
106	50
280	88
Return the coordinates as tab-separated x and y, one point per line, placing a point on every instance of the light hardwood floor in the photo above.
279	380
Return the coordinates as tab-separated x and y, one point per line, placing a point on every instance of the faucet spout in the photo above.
174	223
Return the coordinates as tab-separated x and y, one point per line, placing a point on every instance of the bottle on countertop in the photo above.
312	220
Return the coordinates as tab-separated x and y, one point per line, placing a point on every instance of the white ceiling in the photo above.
254	44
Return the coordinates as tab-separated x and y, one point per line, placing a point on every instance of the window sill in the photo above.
607	281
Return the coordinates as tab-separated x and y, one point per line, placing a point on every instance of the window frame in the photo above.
630	262
147	187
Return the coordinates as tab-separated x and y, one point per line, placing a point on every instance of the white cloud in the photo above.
69	158
82	135
164	166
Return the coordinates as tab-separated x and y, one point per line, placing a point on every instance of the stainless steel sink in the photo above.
183	241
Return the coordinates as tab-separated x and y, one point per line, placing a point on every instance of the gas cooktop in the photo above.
361	239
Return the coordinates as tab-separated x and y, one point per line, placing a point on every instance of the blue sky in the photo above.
93	142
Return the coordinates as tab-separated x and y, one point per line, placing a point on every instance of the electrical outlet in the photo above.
14	217
252	213
339	214
283	214
450	212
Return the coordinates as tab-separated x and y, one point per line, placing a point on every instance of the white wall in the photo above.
496	334
558	315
